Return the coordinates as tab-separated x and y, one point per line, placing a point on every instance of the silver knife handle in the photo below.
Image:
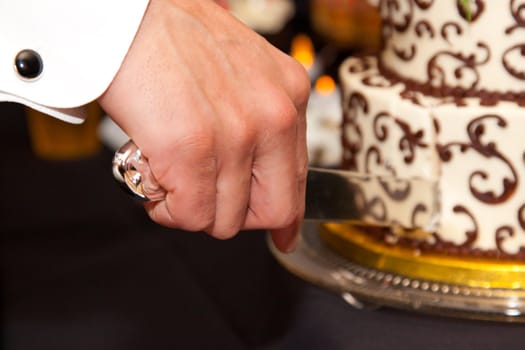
132	171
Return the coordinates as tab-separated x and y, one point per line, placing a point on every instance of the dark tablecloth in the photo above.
84	268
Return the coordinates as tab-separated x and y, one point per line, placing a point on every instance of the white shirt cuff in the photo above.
82	45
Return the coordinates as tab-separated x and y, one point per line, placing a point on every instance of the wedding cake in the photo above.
444	102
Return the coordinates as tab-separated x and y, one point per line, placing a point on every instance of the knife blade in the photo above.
331	194
384	200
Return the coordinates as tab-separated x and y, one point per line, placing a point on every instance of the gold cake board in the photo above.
362	286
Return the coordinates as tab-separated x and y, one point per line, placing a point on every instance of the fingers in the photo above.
233	182
190	182
260	172
207	177
274	192
220	114
285	239
297	85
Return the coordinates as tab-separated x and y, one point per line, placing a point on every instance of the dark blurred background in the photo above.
84	268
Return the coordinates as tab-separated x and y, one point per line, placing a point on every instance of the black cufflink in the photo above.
28	64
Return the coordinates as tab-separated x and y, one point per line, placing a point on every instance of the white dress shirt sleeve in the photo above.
82	44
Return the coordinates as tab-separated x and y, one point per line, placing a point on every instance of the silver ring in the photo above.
131	170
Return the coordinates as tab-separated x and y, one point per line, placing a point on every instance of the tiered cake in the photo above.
444	101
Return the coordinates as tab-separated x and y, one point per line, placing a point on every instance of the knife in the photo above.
331	194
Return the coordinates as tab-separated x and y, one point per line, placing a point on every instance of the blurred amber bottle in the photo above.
349	24
54	139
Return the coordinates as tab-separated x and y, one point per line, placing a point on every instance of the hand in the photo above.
220	115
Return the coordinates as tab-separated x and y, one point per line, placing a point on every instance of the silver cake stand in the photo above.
363	287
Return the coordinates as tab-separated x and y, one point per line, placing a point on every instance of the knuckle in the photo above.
242	134
298	78
284	116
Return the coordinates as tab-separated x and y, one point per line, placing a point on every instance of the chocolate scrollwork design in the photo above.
476	129
374	207
470	235
406	54
450	27
419	210
352	138
408	142
517	9
424	4
510	58
424	27
360	65
521	217
395	189
502	233
464	68
397	14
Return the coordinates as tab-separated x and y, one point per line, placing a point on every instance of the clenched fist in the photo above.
220	115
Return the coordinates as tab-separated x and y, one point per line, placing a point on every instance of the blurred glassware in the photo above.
54	139
348	24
